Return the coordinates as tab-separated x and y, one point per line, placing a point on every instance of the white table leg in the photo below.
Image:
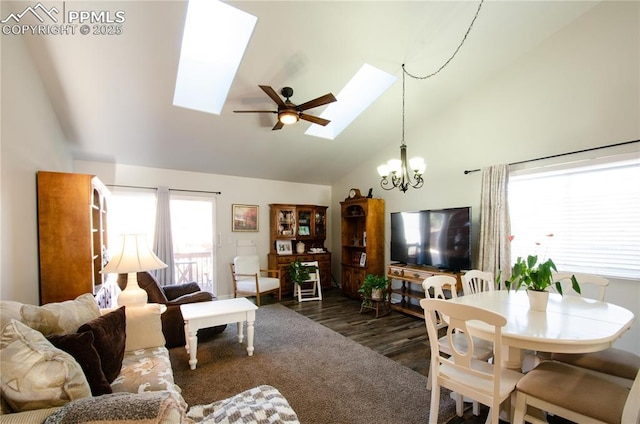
186	336
512	358
193	348
250	337
240	325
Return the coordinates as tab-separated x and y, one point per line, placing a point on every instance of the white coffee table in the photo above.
217	312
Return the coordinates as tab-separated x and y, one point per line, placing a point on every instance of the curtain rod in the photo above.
563	154
155	188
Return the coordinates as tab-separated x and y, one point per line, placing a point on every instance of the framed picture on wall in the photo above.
283	247
245	218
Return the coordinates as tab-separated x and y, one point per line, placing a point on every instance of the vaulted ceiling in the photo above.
113	93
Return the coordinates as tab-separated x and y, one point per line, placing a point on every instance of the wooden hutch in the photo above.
72	235
295	224
362	241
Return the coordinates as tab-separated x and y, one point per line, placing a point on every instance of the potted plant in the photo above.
536	278
373	287
300	273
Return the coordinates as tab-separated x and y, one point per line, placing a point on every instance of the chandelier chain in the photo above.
402	107
404	71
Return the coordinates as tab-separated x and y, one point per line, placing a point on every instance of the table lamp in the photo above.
135	256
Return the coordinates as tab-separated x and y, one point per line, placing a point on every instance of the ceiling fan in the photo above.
289	113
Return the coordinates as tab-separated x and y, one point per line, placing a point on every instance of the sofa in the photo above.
73	362
172	296
73	353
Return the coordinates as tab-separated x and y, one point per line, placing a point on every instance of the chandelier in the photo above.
395	173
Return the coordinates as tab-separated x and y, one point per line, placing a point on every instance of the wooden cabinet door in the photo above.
71	234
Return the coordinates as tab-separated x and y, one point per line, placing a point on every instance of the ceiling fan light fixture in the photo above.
288	117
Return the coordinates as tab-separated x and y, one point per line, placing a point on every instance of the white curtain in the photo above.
495	226
163	241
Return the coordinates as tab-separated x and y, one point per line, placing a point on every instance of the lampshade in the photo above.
288	117
135	256
417	165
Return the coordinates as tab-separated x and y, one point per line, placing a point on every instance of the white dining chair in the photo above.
250	280
314	292
476	281
591	286
483	349
614	364
487	383
575	394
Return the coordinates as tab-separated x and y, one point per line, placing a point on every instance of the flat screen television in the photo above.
439	238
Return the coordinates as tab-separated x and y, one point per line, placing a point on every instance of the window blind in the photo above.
586	219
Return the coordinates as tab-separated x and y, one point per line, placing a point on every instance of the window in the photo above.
192	221
192	225
592	213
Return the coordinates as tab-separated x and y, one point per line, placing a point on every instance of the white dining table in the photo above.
571	324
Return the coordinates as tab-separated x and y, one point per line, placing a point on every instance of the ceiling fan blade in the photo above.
314	119
272	93
322	100
277	126
255	111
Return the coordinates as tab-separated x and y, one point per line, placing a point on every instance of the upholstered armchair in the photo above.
172	296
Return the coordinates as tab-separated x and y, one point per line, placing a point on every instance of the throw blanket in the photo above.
125	408
260	405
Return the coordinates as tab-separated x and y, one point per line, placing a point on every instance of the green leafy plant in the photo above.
299	273
536	276
373	282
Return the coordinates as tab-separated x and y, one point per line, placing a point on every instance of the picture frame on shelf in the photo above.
363	259
284	247
355	258
303	230
245	218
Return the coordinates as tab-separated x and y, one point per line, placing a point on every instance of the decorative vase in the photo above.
538	300
300	247
376	294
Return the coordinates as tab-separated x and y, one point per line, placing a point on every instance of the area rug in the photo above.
326	377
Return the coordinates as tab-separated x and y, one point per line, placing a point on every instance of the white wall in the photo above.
580	89
233	190
31	140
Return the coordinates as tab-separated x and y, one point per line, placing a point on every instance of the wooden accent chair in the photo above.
248	278
482	381
575	394
476	281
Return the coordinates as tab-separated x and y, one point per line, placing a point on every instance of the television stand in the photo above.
405	286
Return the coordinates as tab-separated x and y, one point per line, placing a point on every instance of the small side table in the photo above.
382	307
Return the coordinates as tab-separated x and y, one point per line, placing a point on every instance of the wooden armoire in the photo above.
72	234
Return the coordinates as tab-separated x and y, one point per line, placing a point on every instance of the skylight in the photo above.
362	90
213	43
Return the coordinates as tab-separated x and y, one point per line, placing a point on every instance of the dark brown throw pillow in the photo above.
109	337
80	346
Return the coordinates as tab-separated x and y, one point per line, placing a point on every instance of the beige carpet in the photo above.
326	377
